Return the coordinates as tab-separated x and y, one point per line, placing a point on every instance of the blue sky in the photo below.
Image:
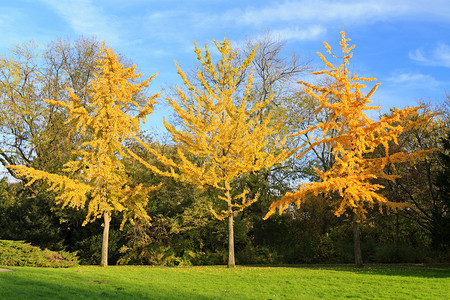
404	44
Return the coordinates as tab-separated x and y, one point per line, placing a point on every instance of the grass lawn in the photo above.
218	282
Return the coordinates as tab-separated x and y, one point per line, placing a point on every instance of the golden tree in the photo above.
30	128
223	131
355	136
97	178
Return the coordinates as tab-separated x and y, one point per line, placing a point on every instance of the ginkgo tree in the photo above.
30	128
349	182
97	179
223	131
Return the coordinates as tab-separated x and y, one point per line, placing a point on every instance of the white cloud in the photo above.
331	11
301	11
85	18
299	34
5	19
417	55
439	56
415	80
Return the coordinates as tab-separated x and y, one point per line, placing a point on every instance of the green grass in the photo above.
129	282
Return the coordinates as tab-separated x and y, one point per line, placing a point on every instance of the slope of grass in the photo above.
129	282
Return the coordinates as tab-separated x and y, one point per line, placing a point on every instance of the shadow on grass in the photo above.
16	286
404	270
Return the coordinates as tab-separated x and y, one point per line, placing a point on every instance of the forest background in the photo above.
183	230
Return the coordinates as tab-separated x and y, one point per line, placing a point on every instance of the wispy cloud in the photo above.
331	11
14	25
85	18
299	34
5	19
302	11
439	56
182	27
415	80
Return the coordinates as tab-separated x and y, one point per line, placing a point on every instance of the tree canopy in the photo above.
356	136
97	177
223	130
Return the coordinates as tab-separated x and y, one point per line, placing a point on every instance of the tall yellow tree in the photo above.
223	131
97	178
355	136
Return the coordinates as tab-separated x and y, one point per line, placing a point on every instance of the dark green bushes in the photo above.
17	253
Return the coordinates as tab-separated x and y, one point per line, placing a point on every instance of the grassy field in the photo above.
129	282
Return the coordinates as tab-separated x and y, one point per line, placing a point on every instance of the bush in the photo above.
391	253
208	258
89	247
150	255
324	249
18	253
252	255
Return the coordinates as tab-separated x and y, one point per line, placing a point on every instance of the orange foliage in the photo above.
353	172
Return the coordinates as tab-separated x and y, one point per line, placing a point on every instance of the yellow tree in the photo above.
30	128
223	131
97	178
355	136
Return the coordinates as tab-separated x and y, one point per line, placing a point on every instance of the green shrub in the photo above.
208	258
392	253
149	255
18	253
324	249
252	255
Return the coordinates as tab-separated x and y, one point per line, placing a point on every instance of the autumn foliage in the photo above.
227	151
222	129
355	137
97	178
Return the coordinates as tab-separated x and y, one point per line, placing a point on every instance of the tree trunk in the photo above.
105	241
231	262
357	242
397	231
